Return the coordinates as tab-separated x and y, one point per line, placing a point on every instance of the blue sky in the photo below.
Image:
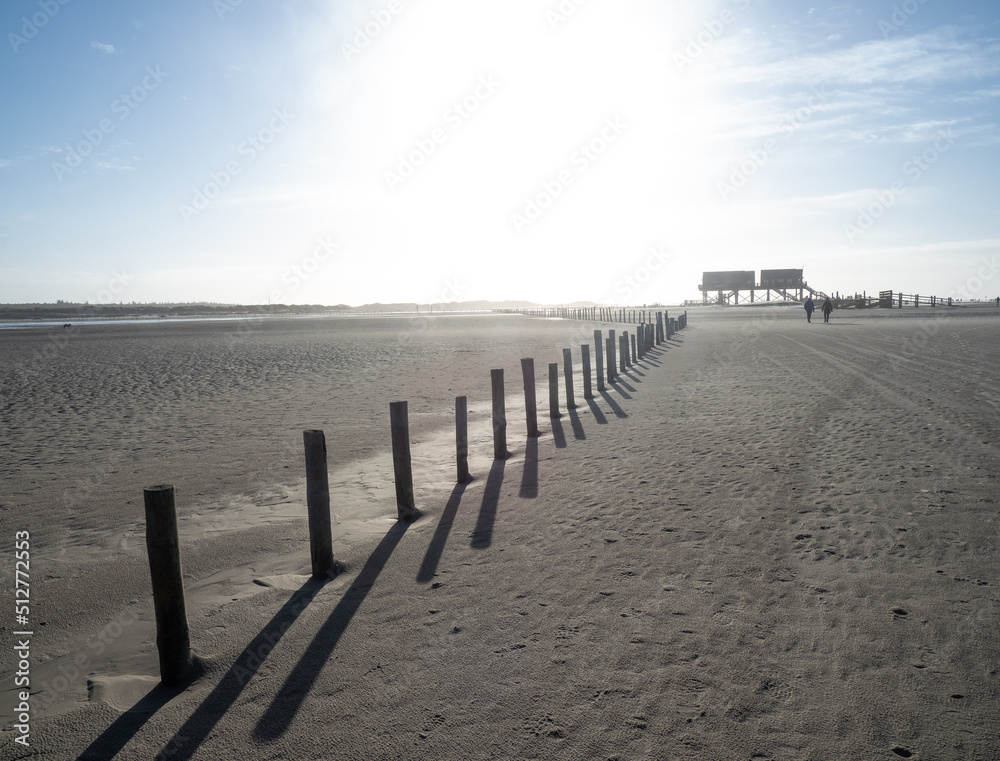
437	150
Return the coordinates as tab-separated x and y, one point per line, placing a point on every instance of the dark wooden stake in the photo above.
599	359
588	389
568	373
612	361
499	416
172	638
399	420
462	437
554	389
530	404
318	504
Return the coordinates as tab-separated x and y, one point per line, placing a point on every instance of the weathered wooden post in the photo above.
318	503
588	390
553	389
635	356
659	328
462	437
599	359
568	373
530	404
612	360
623	353
172	637
399	422
499	416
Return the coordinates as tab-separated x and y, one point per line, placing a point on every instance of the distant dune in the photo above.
70	311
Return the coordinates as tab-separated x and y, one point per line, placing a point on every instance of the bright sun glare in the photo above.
496	145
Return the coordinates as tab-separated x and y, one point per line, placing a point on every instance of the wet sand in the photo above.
771	539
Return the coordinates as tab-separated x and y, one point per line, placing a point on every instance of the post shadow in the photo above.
287	702
598	414
557	433
482	535
436	548
127	726
619	412
574	420
620	381
529	477
620	388
199	725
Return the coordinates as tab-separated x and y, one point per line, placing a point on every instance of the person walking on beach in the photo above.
827	308
809	309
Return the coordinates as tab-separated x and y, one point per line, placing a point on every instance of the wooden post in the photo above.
623	352
530	404
172	638
588	390
568	373
599	359
554	389
499	416
462	437
318	504
399	421
612	361
635	357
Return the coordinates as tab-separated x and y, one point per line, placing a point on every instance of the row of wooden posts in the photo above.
163	547
889	299
593	314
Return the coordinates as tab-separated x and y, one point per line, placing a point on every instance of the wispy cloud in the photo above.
927	58
104	48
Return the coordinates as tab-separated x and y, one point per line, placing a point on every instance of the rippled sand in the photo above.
771	539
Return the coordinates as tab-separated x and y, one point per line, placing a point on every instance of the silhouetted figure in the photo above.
827	308
809	309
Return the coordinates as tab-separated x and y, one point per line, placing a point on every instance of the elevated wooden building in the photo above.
742	287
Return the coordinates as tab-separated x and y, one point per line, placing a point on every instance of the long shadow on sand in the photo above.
436	548
619	385
574	420
557	433
482	535
529	477
198	726
127	726
619	412
287	702
596	411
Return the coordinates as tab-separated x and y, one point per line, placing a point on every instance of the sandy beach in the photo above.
770	540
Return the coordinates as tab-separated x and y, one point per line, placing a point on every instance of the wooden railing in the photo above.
891	299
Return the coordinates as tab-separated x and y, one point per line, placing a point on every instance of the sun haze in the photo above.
440	150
